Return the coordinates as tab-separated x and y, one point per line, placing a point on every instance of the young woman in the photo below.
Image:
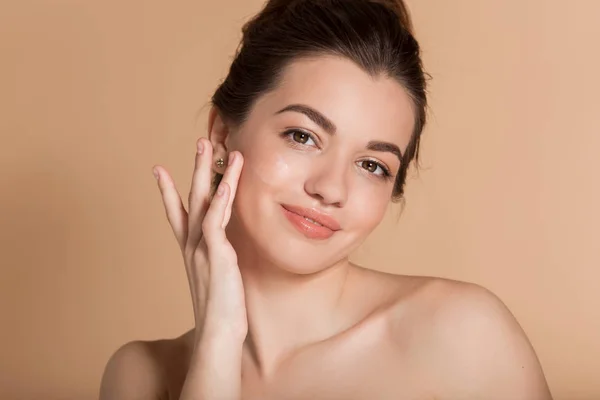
309	137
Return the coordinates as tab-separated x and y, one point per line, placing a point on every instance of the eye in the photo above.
375	168
300	137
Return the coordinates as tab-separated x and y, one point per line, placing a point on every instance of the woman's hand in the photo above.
213	274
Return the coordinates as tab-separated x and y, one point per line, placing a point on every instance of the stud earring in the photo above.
220	163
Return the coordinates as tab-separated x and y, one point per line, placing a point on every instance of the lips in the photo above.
311	223
314	216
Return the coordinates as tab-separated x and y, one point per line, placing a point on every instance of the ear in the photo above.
218	131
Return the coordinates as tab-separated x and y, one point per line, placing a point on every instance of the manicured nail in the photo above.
199	146
155	172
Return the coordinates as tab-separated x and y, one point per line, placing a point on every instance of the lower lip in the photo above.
307	228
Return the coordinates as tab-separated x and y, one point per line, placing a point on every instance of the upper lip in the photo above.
314	214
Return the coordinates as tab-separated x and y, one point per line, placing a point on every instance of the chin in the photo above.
290	252
296	257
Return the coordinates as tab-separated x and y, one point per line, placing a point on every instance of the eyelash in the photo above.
386	175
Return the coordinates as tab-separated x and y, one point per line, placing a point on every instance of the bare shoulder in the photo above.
144	370
470	339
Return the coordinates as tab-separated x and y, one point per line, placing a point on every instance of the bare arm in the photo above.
213	274
215	368
216	288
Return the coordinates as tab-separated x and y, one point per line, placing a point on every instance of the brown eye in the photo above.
301	137
375	168
370	165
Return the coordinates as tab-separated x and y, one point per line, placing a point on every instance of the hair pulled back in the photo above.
376	35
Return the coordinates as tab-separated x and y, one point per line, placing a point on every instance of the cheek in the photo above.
271	170
367	218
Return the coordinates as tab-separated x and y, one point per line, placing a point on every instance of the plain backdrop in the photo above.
93	93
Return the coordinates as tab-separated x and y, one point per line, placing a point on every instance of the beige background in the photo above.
93	93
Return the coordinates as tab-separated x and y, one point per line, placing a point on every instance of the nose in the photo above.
328	182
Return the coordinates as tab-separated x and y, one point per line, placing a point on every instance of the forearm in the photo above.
215	370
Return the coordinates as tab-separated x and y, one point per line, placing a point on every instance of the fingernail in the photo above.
155	172
199	146
220	190
231	158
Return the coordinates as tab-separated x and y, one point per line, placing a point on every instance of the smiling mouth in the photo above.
315	216
310	227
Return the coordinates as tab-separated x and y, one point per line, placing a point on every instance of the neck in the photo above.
287	311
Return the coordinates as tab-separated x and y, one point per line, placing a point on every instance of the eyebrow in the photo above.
328	126
314	115
377	145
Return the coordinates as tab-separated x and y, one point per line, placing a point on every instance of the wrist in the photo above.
222	333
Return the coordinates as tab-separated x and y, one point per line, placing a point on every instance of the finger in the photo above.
176	214
212	226
200	191
232	177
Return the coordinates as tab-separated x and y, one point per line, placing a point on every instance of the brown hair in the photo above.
377	35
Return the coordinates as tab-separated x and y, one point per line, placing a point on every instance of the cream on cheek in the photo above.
273	170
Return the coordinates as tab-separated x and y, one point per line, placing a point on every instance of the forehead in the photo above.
373	107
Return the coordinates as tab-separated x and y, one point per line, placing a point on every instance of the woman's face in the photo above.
324	140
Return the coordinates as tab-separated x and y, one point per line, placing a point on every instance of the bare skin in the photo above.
317	325
414	338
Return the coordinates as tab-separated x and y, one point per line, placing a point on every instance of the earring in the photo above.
220	163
